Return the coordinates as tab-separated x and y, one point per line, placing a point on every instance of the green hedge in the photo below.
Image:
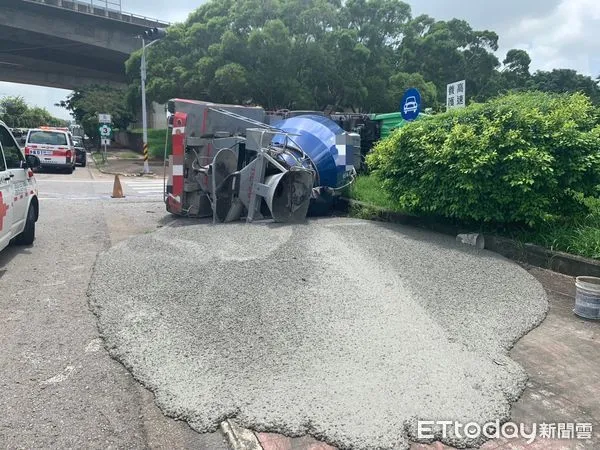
521	158
156	142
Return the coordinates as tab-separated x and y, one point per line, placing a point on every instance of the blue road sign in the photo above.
410	106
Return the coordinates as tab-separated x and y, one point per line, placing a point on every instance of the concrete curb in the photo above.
531	254
239	438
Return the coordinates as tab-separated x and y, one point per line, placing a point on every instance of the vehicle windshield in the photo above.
47	137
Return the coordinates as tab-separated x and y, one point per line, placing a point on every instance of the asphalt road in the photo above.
58	386
89	184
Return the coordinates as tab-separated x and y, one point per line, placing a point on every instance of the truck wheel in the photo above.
70	169
28	235
83	163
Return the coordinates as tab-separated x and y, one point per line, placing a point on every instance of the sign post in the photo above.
456	95
105	133
410	106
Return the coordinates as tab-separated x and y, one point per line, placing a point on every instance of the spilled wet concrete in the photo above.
343	329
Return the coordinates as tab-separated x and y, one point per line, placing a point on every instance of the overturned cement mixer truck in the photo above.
228	162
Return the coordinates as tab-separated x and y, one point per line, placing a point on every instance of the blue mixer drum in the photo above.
332	152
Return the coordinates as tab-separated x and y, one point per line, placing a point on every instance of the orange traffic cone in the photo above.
117	189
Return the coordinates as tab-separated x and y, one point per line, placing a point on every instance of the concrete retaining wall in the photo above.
133	141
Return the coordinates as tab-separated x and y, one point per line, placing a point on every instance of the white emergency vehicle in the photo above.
19	207
53	146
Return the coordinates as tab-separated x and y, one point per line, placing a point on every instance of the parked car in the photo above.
80	152
19	206
53	146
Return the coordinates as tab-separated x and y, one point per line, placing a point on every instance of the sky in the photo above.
556	33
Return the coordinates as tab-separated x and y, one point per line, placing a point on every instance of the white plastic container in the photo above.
474	239
587	297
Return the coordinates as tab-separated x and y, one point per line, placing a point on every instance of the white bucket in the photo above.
587	297
473	239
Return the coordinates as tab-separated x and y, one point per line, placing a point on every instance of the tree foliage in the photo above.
308	54
353	54
517	159
15	112
565	80
86	103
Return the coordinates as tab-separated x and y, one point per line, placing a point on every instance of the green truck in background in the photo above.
388	122
370	127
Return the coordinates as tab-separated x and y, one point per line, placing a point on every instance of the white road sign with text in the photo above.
456	95
104	118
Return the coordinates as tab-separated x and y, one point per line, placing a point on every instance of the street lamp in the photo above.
152	35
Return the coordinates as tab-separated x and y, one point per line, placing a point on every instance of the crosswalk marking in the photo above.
146	187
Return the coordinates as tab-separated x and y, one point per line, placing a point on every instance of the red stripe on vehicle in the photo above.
178	140
204	120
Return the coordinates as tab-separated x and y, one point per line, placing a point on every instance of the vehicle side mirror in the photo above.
32	161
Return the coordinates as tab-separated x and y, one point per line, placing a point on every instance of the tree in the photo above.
272	79
400	82
309	54
16	113
565	80
516	68
230	84
444	52
86	103
13	110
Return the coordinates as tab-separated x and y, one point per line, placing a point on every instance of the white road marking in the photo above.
71	197
47	180
146	187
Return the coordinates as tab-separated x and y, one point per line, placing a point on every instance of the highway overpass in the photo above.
65	43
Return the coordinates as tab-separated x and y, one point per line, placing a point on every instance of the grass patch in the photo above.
124	154
577	236
156	142
98	159
368	189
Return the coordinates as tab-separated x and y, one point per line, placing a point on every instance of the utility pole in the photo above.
144	111
152	35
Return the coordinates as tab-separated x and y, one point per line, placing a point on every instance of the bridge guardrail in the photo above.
110	9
